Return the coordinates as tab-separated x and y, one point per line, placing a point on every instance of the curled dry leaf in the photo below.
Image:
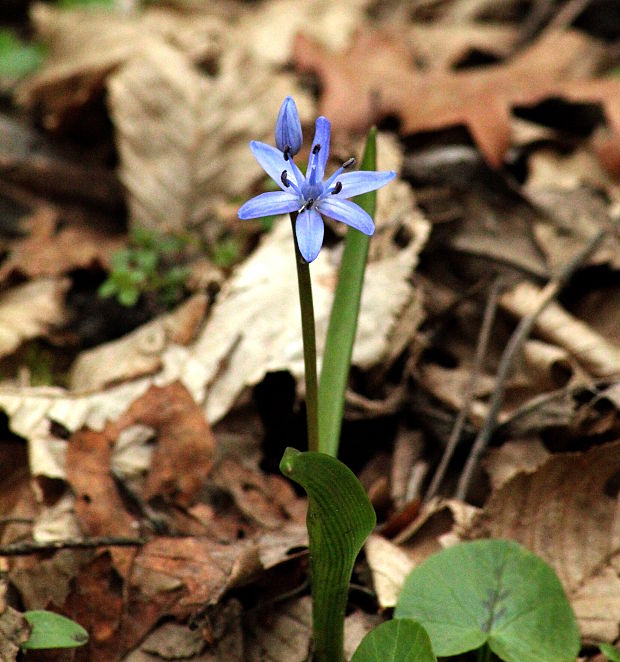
47	251
183	136
547	366
567	512
374	79
86	46
600	357
30	311
513	457
140	352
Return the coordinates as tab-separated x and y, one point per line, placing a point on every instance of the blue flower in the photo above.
309	195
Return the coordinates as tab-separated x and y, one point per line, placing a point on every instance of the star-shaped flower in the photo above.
309	195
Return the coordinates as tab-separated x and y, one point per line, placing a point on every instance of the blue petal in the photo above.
355	183
321	137
271	161
309	230
347	212
288	127
266	204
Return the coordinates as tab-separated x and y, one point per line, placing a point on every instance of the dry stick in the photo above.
519	336
459	423
35	546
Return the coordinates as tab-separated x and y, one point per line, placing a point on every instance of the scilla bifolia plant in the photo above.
493	596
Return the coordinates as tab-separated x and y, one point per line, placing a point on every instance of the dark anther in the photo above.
316	148
337	188
286	152
307	205
284	178
348	163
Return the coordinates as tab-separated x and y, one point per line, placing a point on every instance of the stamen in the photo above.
307	205
286	152
337	188
316	148
348	163
284	179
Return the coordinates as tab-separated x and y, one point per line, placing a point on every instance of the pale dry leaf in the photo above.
356	626
600	357
31	311
183	136
567	511
511	458
281	634
58	521
268	31
389	565
547	366
139	353
254	327
85	46
597	606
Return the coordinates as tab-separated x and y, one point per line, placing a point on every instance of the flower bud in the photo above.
288	128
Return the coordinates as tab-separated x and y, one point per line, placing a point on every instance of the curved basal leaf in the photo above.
399	640
340	518
495	592
50	630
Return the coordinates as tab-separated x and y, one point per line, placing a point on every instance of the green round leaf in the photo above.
50	630
400	640
491	591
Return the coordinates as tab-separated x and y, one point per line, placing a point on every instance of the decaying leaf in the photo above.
48	251
389	565
140	352
374	79
30	311
566	511
85	46
254	327
183	136
600	357
513	457
14	630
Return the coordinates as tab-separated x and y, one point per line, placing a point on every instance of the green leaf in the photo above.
343	317
128	297
399	640
17	58
340	518
491	591
612	653
50	630
107	289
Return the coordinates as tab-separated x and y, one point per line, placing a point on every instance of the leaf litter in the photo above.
161	430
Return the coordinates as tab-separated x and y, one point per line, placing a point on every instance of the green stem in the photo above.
308	334
484	653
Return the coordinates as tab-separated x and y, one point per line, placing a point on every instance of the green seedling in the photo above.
50	630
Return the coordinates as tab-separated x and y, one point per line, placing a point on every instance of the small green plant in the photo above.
17	57
50	630
146	267
611	653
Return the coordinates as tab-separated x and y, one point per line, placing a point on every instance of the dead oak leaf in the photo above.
375	79
48	251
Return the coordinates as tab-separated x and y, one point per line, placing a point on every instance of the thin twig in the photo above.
519	336
459	423
35	547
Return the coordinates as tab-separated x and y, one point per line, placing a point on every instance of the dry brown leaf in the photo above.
513	457
47	251
14	630
183	136
85	46
280	635
567	512
374	79
600	357
179	466
547	366
139	353
30	311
